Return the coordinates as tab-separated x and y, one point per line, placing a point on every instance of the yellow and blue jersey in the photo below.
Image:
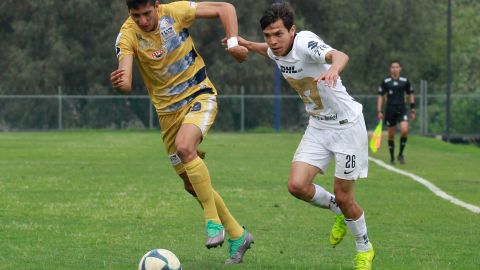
171	68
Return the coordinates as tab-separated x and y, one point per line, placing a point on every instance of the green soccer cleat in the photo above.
363	260
239	247
215	235
339	230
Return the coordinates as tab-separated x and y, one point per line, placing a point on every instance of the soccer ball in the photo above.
159	259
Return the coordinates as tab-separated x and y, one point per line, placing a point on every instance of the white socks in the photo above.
359	230
325	199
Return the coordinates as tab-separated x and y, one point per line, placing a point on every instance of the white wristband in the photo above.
232	42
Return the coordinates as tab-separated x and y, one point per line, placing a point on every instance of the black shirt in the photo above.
395	89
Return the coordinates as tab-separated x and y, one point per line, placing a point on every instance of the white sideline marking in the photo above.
436	190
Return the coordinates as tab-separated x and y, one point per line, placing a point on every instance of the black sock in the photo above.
391	147
403	142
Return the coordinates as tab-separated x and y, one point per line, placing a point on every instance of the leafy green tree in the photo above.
70	44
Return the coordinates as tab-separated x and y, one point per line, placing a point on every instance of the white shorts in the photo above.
349	147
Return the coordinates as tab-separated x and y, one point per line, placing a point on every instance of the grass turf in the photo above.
101	199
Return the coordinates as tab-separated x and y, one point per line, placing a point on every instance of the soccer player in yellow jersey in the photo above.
157	36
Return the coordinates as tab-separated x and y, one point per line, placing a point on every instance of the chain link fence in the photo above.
236	113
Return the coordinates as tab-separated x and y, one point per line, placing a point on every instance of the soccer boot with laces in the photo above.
239	247
363	260
215	235
338	231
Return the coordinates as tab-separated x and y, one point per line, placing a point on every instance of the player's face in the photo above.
279	38
145	16
395	70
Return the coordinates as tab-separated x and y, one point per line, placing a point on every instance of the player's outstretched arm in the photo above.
256	47
122	77
227	14
338	61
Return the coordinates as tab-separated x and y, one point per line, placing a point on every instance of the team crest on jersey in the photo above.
167	31
395	83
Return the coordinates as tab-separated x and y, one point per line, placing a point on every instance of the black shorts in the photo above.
395	114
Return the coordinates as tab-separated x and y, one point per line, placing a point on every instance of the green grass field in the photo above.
101	199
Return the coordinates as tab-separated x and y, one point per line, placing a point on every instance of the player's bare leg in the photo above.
187	140
355	220
391	143
403	140
300	181
300	185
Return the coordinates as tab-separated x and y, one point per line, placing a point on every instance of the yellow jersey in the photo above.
170	66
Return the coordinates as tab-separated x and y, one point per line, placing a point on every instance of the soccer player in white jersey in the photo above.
336	127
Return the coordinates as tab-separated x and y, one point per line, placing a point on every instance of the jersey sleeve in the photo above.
124	45
314	48
382	88
408	88
184	12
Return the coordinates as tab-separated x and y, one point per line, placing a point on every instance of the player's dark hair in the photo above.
278	11
395	61
136	3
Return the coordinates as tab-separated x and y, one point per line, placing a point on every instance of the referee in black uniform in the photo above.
394	88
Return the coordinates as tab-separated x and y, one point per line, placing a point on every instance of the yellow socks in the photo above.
229	222
214	207
200	179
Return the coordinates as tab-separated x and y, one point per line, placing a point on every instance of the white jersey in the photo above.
328	107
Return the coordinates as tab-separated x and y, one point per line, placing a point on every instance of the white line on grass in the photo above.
436	190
